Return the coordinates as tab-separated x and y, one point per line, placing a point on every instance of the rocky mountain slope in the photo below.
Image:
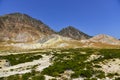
73	33
17	27
51	41
22	31
101	40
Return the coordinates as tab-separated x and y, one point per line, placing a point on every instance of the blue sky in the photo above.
90	16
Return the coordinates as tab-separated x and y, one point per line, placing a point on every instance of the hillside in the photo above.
73	33
102	41
17	27
105	39
20	31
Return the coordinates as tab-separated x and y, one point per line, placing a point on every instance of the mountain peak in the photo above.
103	36
105	39
73	33
71	28
16	15
20	27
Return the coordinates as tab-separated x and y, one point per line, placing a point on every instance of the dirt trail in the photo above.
26	67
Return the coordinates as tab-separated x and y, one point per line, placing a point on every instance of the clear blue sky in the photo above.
90	16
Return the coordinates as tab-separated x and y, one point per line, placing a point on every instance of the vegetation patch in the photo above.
20	58
33	75
73	59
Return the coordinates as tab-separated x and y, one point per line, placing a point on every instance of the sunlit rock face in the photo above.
19	27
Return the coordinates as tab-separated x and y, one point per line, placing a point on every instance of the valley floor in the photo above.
62	64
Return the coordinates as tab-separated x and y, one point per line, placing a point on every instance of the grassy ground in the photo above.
75	60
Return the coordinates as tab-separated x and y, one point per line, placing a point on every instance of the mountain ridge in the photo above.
16	26
21	30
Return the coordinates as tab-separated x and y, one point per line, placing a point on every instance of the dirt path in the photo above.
26	67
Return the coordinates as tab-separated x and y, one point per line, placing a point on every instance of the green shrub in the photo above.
86	73
38	77
101	75
97	66
20	58
117	78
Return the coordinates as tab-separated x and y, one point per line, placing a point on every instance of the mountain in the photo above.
102	41
17	27
73	33
105	39
20	31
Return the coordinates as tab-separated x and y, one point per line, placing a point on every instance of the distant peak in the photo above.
103	36
73	33
70	27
